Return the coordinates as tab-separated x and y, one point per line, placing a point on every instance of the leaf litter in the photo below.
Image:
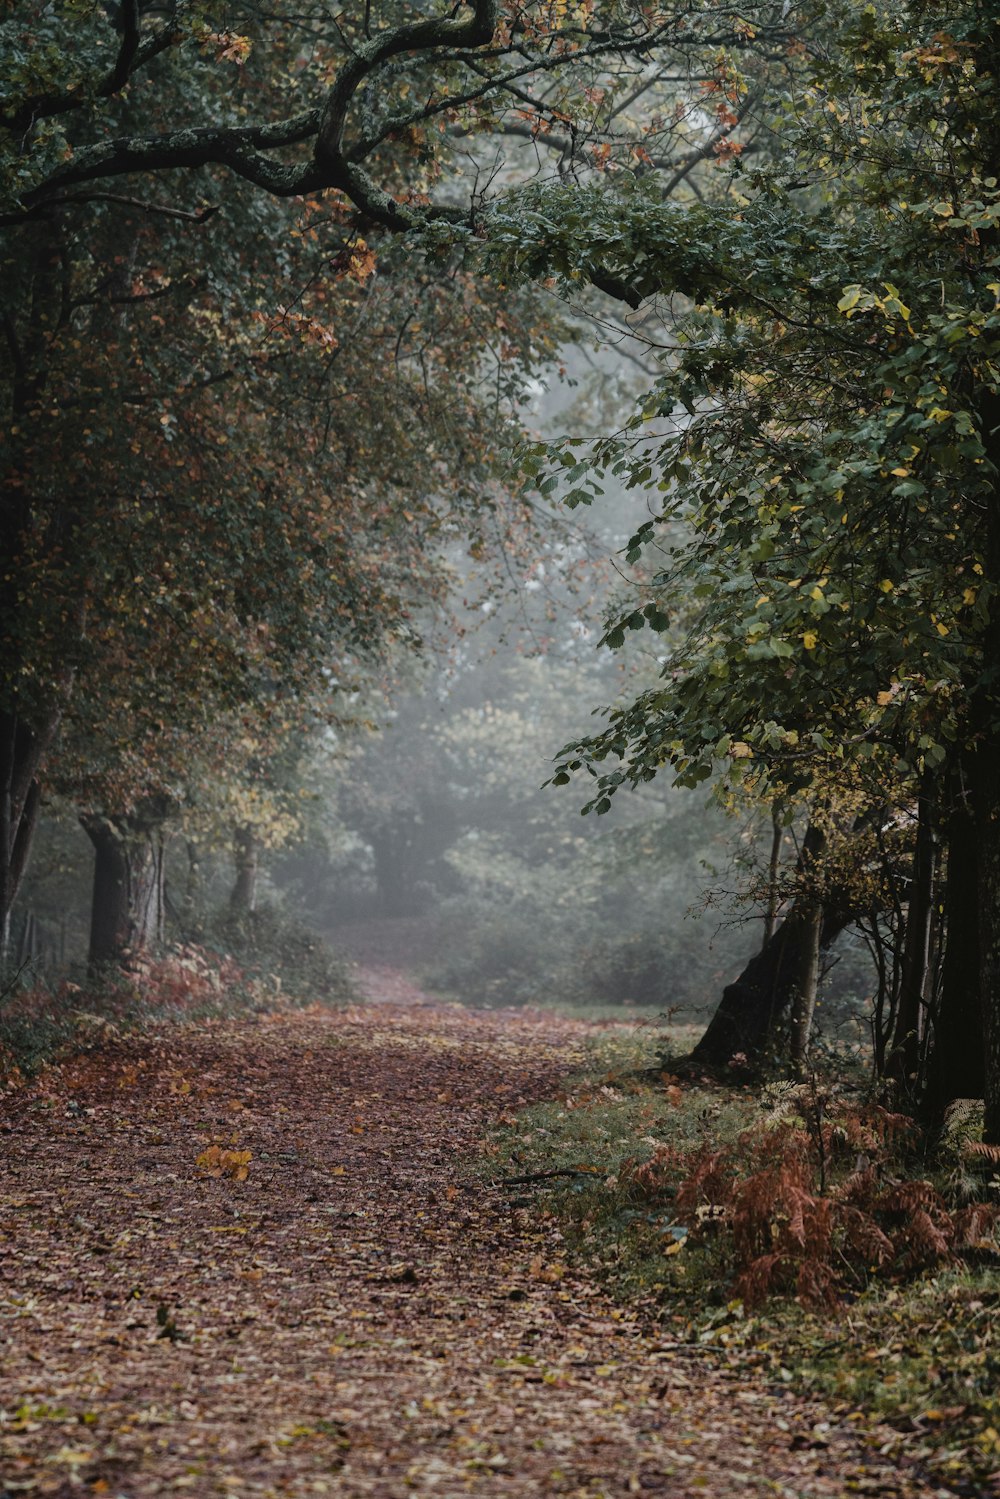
258	1259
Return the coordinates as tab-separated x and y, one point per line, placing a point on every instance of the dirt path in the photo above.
356	1317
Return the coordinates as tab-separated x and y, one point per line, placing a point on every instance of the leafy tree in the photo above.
319	104
187	569
835	409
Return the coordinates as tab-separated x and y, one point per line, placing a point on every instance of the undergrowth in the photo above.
279	963
282	953
802	1229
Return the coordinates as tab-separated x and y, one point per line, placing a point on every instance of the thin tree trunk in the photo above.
903	1060
21	754
986	789
773	868
805	985
127	906
956	1065
754	1004
191	904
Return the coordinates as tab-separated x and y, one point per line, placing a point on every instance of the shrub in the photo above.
287	956
810	1203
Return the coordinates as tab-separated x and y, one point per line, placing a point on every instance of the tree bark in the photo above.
22	750
956	1067
752	1006
806	984
127	906
903	1059
246	853
773	867
985	781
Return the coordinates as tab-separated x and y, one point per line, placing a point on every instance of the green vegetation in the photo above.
619	1163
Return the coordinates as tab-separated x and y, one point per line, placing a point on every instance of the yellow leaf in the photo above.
809	640
887	585
941	629
217	1161
969	596
900	473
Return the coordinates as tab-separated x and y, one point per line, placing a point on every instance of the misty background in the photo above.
416	833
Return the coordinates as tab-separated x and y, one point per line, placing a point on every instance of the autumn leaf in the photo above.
217	1161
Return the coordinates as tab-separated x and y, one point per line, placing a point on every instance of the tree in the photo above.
567	80
836	418
145	624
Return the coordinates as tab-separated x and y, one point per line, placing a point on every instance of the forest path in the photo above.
360	1315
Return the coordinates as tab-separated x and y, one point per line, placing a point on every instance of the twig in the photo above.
541	1176
201	216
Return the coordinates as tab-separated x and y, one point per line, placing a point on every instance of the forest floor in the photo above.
261	1258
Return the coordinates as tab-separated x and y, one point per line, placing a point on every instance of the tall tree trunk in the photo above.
956	1067
773	869
22	750
192	899
903	1060
246	854
987	799
392	851
806	984
25	741
985	780
752	1006
127	907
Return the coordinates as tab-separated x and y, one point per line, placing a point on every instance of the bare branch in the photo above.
201	216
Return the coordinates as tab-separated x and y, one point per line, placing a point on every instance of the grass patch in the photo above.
898	1331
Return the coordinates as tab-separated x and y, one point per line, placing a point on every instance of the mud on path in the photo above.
359	1315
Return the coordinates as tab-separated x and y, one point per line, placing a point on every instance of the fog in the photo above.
419	833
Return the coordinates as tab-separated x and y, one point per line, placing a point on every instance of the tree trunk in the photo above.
903	1061
956	1065
192	899
127	908
392	851
752	1006
806	984
246	853
21	752
773	868
988	827
985	780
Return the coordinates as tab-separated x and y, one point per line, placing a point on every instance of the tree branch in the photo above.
122	70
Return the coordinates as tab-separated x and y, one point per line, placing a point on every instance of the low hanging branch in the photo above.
507	63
